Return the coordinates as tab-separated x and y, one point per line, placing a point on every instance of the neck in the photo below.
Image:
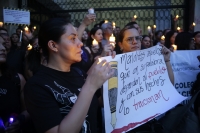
58	64
198	46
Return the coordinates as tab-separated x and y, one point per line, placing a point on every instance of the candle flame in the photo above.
1	24
148	27
154	26
34	27
174	46
178	28
26	28
163	37
177	16
193	24
106	21
29	47
94	42
135	16
114	24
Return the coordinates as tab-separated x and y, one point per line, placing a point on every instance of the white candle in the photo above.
177	16
112	39
91	11
29	47
193	24
94	42
135	16
1	24
174	46
114	25
149	29
20	38
154	26
163	37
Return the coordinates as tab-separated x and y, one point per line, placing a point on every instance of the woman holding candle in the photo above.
170	40
60	98
130	40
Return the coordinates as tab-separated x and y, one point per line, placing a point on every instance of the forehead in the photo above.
70	29
136	25
1	39
197	35
99	30
146	38
3	31
131	33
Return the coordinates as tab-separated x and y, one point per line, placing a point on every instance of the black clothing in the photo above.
50	95
9	97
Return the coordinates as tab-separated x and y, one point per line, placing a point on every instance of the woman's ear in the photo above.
120	45
53	46
92	36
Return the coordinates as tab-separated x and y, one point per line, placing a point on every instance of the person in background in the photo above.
107	30
158	35
170	40
11	95
7	40
15	41
84	38
3	31
146	42
196	36
136	26
166	31
18	31
60	98
184	41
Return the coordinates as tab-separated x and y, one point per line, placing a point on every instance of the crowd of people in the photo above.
52	81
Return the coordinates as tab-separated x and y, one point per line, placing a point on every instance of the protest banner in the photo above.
186	66
16	16
139	91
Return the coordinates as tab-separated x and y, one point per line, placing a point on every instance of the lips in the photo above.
3	55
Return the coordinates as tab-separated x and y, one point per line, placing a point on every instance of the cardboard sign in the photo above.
12	16
139	91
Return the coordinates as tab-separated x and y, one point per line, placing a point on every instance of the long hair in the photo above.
196	85
183	40
90	39
168	38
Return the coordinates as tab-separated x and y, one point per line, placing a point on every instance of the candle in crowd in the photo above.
154	26
113	25
106	21
174	46
29	47
94	42
177	16
163	37
135	16
20	38
149	29
91	11
26	29
34	27
178	28
1	24
112	39
193	24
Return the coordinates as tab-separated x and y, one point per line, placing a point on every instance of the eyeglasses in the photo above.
131	39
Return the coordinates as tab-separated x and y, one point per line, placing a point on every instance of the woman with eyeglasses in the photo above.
130	40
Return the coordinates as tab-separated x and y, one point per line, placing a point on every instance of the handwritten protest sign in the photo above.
139	91
16	16
186	66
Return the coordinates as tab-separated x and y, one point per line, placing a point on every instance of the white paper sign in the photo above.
139	91
16	16
185	65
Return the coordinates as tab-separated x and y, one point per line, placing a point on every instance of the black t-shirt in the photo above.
50	95
9	97
197	104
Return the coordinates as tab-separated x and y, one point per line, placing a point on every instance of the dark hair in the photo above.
12	35
196	85
92	32
164	32
52	29
144	36
121	33
183	40
1	28
130	24
195	33
157	32
168	37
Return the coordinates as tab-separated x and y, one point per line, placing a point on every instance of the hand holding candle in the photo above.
193	24
174	46
91	11
26	29
162	37
112	39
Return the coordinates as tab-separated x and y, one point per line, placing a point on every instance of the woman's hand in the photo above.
99	73
108	51
89	18
166	53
